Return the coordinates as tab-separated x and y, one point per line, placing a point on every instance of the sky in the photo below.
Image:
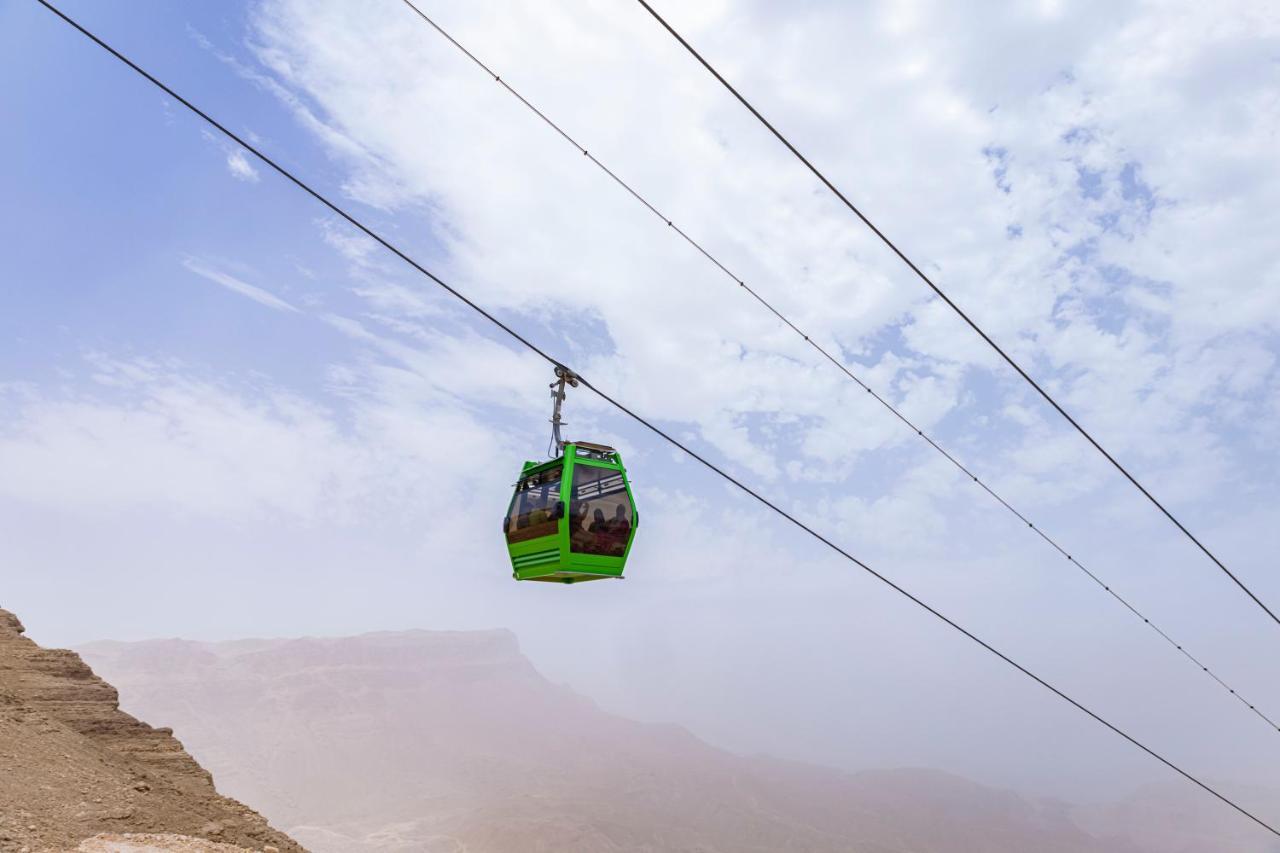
225	413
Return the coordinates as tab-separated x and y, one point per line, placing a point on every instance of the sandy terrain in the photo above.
72	765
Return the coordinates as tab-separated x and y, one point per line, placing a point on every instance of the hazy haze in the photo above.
222	415
450	741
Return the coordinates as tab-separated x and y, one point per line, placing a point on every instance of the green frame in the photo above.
549	558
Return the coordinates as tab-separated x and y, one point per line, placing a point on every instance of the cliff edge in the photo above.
74	766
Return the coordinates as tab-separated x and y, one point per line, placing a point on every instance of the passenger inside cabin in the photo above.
579	538
621	525
598	524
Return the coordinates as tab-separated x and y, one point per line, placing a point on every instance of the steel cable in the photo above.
367	231
1106	587
956	308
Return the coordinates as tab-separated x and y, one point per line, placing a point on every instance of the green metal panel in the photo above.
550	558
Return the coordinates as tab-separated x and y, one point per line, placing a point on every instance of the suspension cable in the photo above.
956	308
839	365
382	241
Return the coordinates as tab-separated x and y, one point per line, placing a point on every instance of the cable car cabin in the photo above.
572	519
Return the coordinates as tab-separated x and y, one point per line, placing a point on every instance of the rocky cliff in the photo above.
73	765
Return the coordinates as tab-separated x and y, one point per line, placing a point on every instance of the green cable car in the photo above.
572	519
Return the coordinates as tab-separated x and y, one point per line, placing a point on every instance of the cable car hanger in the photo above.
563	375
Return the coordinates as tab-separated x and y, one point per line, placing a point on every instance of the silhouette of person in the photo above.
598	525
621	525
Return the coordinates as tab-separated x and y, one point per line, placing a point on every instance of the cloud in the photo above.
1040	166
434	134
1034	195
160	438
238	163
235	285
240	167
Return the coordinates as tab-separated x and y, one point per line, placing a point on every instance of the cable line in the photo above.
956	308
375	236
843	369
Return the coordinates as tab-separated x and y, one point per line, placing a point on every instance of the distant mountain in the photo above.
72	766
1176	818
448	742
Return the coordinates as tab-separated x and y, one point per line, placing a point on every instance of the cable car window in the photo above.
600	514
533	509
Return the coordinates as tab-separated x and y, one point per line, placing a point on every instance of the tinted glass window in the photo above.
533	510
600	516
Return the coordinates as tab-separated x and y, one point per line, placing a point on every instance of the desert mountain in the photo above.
72	766
451	742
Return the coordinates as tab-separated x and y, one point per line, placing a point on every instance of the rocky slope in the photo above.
73	765
447	742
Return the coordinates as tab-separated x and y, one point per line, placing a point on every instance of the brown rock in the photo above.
63	736
10	622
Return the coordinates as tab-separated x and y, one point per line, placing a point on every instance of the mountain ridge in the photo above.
451	741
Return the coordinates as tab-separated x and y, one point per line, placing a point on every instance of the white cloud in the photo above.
1033	189
1037	159
240	167
235	285
159	438
441	134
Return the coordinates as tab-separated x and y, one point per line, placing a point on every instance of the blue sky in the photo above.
226	415
101	240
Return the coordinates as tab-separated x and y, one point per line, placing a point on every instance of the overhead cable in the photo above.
839	365
382	241
959	312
